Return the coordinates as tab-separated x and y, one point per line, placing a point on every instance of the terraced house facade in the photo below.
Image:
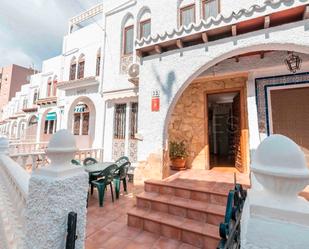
133	75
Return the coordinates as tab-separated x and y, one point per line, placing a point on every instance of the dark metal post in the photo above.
71	232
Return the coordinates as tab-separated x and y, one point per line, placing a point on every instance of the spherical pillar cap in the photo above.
62	141
278	155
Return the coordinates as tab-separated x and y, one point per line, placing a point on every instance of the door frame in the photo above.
244	140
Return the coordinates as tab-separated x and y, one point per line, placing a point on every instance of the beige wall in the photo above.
188	121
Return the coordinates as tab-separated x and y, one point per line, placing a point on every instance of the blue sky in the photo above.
32	30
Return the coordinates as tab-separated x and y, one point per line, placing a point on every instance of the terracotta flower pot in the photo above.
178	164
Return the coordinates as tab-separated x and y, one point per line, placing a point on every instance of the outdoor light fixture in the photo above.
293	62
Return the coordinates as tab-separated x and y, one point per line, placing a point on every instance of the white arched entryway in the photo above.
21	127
49	122
171	73
31	128
81	121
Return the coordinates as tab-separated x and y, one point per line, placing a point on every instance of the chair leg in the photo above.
112	191
125	184
92	188
117	187
101	192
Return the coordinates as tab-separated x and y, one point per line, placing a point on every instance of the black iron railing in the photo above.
71	232
230	228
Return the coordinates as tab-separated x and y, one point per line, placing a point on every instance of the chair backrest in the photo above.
89	161
75	162
109	172
122	160
123	164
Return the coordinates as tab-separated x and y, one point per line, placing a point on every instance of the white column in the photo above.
39	127
254	137
274	216
53	193
127	137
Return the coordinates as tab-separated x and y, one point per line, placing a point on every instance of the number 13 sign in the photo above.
155	101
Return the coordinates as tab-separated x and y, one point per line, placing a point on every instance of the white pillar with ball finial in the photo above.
274	216
54	191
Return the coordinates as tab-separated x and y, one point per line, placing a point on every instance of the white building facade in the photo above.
143	73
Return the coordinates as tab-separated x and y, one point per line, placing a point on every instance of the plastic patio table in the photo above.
98	167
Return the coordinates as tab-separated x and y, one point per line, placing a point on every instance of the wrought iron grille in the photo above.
230	228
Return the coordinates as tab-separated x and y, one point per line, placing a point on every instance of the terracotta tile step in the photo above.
188	208
199	234
215	193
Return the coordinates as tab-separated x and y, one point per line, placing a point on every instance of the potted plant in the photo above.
178	155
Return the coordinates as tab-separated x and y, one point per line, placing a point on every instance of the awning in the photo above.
80	108
51	116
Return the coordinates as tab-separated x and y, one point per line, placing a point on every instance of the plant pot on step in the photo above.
178	155
178	164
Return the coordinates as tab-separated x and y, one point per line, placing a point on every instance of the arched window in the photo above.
49	87
55	81
33	121
73	69
98	62
186	13
144	26
81	67
210	8
35	96
81	119
128	35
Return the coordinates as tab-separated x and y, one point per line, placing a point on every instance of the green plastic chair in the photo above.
123	164
92	176
75	162
106	178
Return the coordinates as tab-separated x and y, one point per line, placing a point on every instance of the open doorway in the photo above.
224	129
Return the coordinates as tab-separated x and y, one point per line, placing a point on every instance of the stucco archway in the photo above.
187	83
48	124
83	141
221	57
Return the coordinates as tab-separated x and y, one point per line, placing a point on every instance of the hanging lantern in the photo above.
293	62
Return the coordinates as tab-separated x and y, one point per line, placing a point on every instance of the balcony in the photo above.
78	83
30	109
47	101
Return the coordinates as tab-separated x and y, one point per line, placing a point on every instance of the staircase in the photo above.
188	210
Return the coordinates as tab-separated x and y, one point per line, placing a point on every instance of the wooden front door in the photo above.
236	118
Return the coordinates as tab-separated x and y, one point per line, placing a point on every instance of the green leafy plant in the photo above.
177	150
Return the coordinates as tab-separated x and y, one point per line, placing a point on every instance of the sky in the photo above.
32	30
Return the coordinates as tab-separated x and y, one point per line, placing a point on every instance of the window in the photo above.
35	96
46	127
85	127
25	103
81	120
128	40
51	127
98	63
73	69
210	8
33	121
133	120
81	67
55	86
76	127
49	87
187	15
145	29
120	121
